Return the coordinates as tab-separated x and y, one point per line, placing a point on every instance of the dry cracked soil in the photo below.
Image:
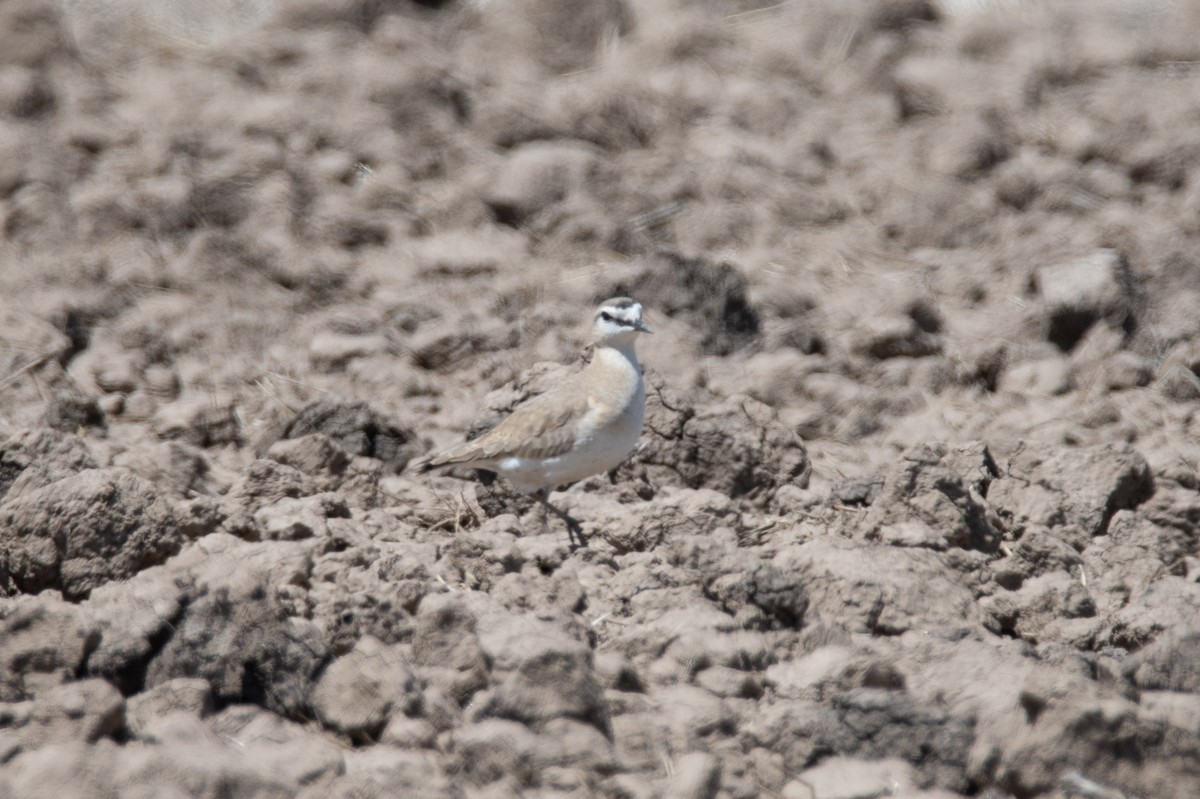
917	512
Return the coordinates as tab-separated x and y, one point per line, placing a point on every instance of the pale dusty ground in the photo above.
917	513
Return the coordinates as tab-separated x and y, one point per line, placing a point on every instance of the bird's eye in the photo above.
606	316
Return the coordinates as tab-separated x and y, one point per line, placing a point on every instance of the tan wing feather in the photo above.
533	430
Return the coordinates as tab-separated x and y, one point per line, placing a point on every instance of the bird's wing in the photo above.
542	427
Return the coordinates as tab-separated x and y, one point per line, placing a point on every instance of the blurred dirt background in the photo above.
918	509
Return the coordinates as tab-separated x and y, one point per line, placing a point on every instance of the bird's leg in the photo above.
574	528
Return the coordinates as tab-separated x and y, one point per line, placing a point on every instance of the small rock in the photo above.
357	429
763	595
895	336
1171	663
117	376
111	404
44	643
282	749
935	497
1178	375
409	733
1078	294
266	482
697	776
1126	370
617	672
877	589
199	516
132	616
331	352
1037	603
38	340
139	405
857	492
872	724
382	770
82	531
25	93
537	176
183	695
851	778
236	633
1176	709
970	148
571	36
71	410
495	749
361	690
694	713
34	458
1083	486
315	453
1038	551
468	254
444	347
201	423
1046	377
296	518
178	468
85	711
1128	562
736	447
446	647
729	683
77	769
161	381
807	677
540	673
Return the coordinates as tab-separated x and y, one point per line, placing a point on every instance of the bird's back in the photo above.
584	425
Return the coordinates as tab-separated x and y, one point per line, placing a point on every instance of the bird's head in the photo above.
618	322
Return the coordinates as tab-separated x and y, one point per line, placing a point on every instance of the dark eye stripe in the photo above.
620	320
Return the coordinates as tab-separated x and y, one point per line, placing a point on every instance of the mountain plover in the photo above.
585	425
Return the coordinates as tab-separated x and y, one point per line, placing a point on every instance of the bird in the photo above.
587	424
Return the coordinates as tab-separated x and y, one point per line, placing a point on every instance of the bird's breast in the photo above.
605	436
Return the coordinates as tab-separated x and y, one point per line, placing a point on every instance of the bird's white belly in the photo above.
602	450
